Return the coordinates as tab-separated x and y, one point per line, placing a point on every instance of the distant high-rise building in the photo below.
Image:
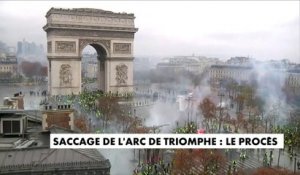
26	48
19	48
3	47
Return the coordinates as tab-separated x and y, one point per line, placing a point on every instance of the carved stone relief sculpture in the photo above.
121	74
122	48
65	46
65	75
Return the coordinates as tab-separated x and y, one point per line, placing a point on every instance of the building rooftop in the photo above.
295	70
45	159
87	11
32	115
29	152
232	66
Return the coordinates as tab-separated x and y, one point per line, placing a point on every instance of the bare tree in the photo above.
109	108
208	109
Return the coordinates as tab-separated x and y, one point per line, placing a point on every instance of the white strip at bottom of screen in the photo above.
167	141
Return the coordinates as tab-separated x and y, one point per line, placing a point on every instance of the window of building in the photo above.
11	126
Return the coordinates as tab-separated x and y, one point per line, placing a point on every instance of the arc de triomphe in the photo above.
69	31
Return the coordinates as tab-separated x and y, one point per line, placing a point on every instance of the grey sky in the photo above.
260	29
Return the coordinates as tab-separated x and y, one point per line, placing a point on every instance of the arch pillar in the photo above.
101	81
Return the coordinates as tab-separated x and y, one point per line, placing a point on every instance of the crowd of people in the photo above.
158	168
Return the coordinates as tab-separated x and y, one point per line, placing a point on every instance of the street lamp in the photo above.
221	94
295	157
189	99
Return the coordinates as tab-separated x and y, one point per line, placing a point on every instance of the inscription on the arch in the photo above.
122	48
91	33
49	47
65	75
121	74
65	46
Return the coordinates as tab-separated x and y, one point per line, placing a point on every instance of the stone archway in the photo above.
102	53
69	31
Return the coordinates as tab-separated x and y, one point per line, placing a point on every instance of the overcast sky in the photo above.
259	29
